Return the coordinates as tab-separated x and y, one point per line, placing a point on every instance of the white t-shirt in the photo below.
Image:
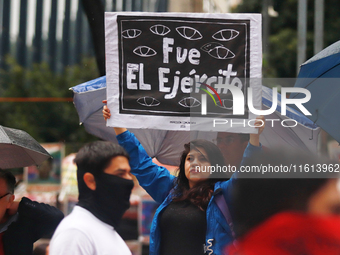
81	233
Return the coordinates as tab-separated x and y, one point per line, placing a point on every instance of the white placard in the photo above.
183	71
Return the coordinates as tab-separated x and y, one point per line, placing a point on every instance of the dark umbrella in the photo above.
320	75
19	149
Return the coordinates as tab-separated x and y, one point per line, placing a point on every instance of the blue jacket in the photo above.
158	182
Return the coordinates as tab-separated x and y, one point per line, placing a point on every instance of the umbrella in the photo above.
320	76
167	146
303	136
19	149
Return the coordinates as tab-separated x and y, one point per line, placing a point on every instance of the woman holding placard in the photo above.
192	217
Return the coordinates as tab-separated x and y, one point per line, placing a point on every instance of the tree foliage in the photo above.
45	121
282	55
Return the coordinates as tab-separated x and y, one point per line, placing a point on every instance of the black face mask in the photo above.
110	199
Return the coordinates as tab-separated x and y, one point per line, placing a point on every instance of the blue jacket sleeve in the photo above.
156	180
250	151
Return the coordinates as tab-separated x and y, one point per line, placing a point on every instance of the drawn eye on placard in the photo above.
221	52
210	46
225	34
148	101
160	29
226	104
144	51
131	33
189	33
189	102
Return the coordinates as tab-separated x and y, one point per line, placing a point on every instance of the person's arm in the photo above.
253	148
156	180
41	218
255	138
254	145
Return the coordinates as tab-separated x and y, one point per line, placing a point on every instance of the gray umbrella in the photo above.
19	149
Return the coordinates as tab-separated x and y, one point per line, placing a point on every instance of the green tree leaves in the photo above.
45	121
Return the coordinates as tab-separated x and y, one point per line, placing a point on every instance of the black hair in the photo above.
94	158
200	194
9	179
256	199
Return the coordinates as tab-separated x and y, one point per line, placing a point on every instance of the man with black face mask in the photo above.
105	184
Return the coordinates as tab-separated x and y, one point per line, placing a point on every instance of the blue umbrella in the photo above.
320	76
166	146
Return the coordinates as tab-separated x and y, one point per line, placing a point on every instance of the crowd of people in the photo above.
200	212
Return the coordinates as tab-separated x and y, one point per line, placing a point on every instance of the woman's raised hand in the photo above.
260	124
106	111
107	115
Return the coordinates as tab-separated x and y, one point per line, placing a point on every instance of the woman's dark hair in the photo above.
200	194
257	197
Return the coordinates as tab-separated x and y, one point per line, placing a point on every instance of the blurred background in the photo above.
48	46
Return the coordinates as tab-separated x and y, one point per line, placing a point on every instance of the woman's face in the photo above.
197	166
